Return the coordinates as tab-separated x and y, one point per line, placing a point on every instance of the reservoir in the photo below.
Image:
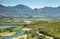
20	33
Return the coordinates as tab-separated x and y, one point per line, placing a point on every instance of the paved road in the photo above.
45	35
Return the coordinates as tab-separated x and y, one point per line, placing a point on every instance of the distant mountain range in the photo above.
15	10
19	10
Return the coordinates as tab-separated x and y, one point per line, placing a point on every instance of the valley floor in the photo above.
7	34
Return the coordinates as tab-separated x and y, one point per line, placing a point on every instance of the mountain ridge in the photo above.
25	10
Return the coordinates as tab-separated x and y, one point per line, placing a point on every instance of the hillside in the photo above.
20	9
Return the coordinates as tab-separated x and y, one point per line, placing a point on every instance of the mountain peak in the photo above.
21	6
48	7
58	7
24	7
1	5
35	8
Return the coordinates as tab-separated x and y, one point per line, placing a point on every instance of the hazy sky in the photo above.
32	3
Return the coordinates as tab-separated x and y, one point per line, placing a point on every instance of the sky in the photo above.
32	3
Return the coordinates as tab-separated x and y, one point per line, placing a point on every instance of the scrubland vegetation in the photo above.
47	28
